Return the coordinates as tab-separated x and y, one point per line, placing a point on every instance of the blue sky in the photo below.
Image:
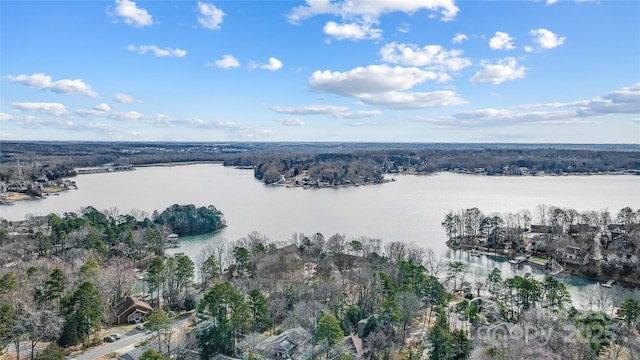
384	70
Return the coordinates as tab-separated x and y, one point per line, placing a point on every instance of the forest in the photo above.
331	297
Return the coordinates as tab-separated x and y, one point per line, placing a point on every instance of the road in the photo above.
129	339
122	346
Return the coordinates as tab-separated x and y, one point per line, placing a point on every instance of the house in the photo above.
616	229
362	324
582	230
572	253
504	330
576	255
131	310
285	345
354	345
223	357
542	229
489	309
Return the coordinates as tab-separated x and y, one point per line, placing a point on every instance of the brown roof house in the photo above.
131	310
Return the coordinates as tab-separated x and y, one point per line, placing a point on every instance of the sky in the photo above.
547	71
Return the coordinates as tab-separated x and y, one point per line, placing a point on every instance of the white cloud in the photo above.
625	101
210	16
546	39
368	80
102	107
55	109
458	38
371	10
124	98
119	116
227	62
404	28
363	114
352	31
501	41
65	86
143	49
291	122
336	111
430	56
414	100
132	14
233	129
504	70
273	65
5	117
382	85
310	109
501	117
127	116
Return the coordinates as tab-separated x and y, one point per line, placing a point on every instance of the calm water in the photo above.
409	209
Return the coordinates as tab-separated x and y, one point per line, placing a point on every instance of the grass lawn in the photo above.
538	259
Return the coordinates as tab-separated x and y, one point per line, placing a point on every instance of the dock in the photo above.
518	260
608	284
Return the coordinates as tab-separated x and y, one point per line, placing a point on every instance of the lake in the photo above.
409	209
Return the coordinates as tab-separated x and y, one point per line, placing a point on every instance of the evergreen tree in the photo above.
630	311
328	329
152	355
555	294
184	272
8	319
54	285
82	311
258	304
440	338
226	314
160	323
155	275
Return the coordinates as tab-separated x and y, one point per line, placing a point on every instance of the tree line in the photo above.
330	162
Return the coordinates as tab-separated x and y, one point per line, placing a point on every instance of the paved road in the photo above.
126	344
122	346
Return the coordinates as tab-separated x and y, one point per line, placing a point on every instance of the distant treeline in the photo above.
333	163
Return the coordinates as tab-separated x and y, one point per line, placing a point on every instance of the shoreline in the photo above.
9	198
568	268
171	164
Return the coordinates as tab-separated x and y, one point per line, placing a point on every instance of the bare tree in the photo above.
542	214
40	326
336	244
116	280
599	298
435	264
396	251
